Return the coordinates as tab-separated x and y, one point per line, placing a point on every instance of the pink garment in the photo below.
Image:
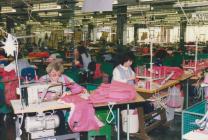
114	92
206	78
74	87
82	116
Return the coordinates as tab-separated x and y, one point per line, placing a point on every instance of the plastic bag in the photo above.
174	98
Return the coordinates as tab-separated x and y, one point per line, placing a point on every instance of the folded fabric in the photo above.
114	92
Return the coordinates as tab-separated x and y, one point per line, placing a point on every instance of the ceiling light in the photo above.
49	14
79	4
191	4
7	9
45	6
138	8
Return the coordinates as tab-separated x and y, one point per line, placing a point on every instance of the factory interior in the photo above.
103	69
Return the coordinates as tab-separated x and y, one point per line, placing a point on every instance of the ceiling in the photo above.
151	12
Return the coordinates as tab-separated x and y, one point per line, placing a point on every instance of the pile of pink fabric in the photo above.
82	115
114	92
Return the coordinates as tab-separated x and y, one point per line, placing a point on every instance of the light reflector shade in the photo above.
97	5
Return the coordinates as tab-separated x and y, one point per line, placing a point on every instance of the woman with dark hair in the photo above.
84	58
123	72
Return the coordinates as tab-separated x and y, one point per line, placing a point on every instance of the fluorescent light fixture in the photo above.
7	9
30	22
191	4
46	6
162	13
49	14
79	4
138	8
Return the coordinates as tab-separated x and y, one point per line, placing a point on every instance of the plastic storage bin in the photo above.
133	121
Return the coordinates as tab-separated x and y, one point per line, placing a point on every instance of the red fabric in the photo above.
83	116
98	73
165	70
146	50
177	71
114	92
39	54
2	57
10	84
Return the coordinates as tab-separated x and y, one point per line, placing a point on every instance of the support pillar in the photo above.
183	25
121	24
136	27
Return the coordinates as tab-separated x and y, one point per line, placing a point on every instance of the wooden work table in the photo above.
143	118
185	76
156	90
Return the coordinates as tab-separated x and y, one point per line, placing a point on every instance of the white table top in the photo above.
41	107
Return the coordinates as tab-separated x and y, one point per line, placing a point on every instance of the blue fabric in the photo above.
29	73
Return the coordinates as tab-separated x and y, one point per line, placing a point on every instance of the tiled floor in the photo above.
173	132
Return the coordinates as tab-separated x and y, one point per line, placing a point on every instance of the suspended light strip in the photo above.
49	14
191	4
7	10
138	8
45	6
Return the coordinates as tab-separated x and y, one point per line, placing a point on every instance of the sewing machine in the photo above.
36	92
42	124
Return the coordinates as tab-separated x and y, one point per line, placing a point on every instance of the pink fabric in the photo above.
114	92
82	116
206	78
74	87
10	84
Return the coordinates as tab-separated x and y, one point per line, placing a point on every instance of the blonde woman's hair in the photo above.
56	65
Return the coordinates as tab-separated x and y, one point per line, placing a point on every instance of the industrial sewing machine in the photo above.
37	92
42	124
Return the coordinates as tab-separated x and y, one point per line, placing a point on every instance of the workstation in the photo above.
103	69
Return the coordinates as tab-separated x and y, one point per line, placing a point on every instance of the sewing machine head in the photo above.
39	92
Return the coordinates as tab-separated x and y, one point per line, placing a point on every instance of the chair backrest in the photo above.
29	73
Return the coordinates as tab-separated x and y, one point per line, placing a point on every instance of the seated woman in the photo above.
123	72
55	75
